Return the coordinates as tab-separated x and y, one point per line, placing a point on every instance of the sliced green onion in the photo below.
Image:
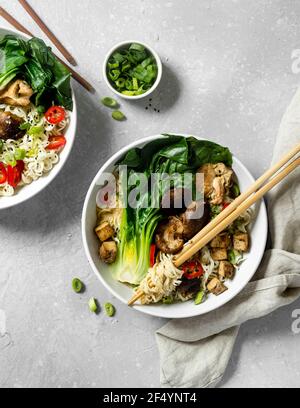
25	126
199	297
9	159
137	47
93	305
77	285
109	309
35	130
118	115
1	145
120	82
109	102
20	154
135	84
133	70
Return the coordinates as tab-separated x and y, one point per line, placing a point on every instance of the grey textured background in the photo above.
227	76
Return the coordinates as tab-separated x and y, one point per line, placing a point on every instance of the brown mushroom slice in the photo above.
104	231
216	287
195	218
17	93
108	252
168	237
10	126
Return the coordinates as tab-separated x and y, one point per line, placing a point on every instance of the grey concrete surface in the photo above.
230	70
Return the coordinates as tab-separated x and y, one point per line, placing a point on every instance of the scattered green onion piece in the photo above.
35	130
118	115
20	154
109	102
25	126
77	285
10	159
93	305
109	309
234	256
1	145
199	297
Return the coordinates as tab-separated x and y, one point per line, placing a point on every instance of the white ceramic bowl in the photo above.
125	44
26	192
259	230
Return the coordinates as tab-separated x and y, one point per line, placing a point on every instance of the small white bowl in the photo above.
26	192
123	45
258	233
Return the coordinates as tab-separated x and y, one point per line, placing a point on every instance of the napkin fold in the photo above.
195	352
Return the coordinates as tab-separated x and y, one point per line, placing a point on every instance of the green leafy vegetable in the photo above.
34	62
77	285
109	102
172	156
1	145
109	309
118	115
132	71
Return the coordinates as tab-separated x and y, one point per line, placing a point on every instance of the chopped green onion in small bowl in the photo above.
132	70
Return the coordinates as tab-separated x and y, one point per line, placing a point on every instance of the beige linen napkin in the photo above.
195	352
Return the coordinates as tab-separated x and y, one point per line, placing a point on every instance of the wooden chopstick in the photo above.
239	200
238	207
10	19
48	32
213	232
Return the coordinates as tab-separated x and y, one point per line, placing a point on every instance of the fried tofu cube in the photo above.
216	287
104	231
221	241
226	270
241	242
219	254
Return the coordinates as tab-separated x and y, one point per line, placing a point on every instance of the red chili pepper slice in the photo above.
14	174
225	205
3	174
55	115
152	254
192	270
56	142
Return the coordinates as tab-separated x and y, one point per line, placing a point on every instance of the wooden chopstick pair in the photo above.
11	20
254	193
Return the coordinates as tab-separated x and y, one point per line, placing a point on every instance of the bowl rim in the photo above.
49	177
154	54
151	310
